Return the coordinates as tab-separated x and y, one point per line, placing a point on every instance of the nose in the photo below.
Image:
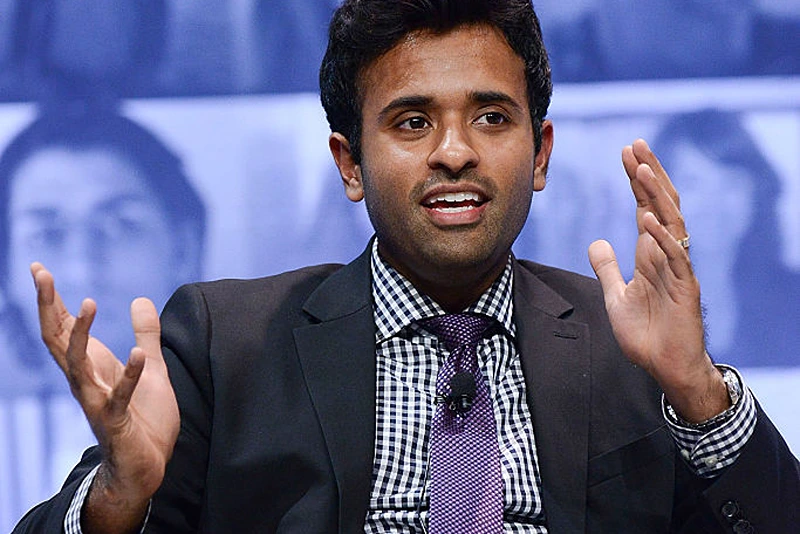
454	150
79	264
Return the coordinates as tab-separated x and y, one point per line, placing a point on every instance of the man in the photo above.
98	196
302	403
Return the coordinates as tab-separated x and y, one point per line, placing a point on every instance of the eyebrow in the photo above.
419	101
115	203
495	97
411	101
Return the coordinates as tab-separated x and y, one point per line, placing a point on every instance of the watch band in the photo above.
734	386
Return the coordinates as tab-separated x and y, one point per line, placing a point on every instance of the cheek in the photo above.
19	284
521	195
522	181
126	259
387	185
383	205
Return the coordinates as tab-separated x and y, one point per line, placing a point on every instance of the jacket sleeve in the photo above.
176	506
48	517
758	493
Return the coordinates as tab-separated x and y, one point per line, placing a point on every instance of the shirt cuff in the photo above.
72	521
710	450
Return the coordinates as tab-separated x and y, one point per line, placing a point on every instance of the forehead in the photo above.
66	177
457	62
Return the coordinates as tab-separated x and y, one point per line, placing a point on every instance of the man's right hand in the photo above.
131	407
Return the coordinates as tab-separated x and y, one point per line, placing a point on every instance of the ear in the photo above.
348	169
542	159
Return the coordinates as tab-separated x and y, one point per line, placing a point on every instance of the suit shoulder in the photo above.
294	280
578	289
290	288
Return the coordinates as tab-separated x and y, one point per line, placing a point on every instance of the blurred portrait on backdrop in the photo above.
167	136
730	192
108	205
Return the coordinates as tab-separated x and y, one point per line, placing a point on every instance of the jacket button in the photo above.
730	510
743	527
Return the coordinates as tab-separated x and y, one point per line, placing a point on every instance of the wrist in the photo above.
709	398
112	506
735	393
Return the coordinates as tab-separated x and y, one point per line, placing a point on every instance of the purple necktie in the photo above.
466	482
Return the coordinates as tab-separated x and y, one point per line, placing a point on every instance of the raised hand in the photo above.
131	407
657	316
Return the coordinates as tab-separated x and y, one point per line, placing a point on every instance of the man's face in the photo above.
91	219
448	165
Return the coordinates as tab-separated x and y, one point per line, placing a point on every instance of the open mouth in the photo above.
454	202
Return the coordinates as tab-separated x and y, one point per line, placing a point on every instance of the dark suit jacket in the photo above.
276	385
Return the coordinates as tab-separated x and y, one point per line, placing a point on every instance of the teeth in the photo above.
455	197
456	209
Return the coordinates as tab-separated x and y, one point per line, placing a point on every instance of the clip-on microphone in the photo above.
462	392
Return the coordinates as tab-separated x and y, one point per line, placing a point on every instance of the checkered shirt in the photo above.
708	452
408	360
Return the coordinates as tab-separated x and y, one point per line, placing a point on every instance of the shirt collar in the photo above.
398	303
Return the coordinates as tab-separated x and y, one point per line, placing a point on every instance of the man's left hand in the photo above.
657	317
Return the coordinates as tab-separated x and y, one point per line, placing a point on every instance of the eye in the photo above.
492	118
413	123
48	237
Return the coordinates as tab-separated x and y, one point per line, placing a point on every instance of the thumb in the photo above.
146	326
604	263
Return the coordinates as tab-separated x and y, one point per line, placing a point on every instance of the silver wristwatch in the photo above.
734	392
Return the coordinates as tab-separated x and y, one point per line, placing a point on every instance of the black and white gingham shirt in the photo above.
408	360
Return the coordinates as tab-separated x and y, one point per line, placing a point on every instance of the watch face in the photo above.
733	385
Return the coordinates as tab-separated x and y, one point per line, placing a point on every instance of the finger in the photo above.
78	368
146	328
677	256
55	322
660	203
632	165
629	161
604	263
644	154
45	286
124	388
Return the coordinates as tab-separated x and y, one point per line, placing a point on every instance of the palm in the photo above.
649	316
656	316
131	408
150	422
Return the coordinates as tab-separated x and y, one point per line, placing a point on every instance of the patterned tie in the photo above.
466	482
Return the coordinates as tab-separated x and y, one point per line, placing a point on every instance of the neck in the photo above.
455	288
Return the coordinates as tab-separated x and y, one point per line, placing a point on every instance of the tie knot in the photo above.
458	329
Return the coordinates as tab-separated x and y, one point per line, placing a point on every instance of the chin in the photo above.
467	257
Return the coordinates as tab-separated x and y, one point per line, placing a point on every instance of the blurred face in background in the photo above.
717	198
91	218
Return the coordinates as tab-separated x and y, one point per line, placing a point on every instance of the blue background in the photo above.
230	87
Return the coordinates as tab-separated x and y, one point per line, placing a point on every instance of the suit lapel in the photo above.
556	364
337	356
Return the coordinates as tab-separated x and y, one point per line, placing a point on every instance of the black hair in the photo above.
83	126
363	30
